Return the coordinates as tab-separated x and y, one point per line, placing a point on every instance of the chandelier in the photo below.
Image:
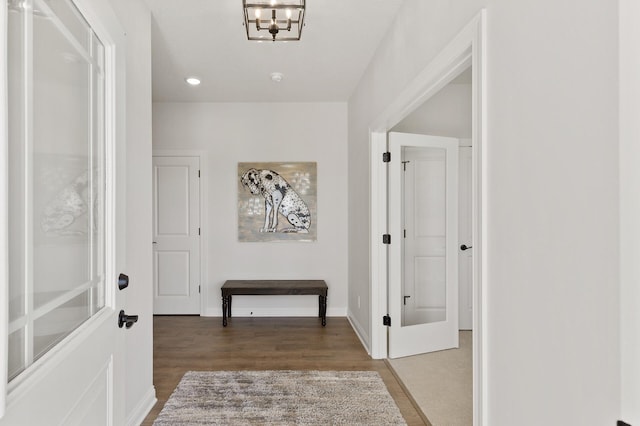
275	20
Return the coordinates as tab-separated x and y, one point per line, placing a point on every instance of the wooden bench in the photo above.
274	287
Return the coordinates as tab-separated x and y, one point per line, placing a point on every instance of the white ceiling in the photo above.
206	38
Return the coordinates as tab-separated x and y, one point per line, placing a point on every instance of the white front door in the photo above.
65	144
423	257
176	235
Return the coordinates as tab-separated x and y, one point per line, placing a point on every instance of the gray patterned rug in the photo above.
280	398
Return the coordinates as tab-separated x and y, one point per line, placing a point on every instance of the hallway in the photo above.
183	343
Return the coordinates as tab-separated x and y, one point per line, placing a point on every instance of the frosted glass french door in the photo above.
423	258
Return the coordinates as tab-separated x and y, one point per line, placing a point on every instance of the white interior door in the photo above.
65	144
423	257
176	235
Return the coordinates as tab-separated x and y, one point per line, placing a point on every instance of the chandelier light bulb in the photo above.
258	13
288	13
273	2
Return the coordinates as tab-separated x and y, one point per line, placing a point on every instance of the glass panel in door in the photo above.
56	176
423	260
425	235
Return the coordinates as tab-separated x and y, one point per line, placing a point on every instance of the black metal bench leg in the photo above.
224	311
323	310
229	306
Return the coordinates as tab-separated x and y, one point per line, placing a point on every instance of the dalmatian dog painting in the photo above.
279	197
277	192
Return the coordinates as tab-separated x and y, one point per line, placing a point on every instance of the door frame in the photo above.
204	270
467	48
4	214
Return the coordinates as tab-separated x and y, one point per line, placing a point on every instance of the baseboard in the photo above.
357	328
143	408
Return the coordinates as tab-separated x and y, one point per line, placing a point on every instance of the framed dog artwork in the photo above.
277	201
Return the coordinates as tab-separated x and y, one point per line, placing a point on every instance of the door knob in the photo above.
128	320
465	247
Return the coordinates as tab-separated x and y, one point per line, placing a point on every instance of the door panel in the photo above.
173	216
173	273
176	234
77	372
93	407
423	263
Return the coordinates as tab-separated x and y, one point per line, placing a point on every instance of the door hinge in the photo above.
386	157
405	233
198	173
199	291
386	320
386	239
198	231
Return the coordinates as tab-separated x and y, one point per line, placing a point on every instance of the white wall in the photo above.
630	209
447	113
552	331
229	133
136	19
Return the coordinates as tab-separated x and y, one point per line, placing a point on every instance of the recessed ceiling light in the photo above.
276	77
192	81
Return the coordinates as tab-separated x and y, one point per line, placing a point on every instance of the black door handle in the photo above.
465	247
405	299
128	320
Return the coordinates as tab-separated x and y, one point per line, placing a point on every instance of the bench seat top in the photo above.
275	287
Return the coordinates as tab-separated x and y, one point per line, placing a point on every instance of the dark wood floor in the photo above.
183	343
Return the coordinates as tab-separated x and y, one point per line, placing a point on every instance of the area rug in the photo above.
280	398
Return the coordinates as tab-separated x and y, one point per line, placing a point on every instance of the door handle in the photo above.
128	320
405	299
465	247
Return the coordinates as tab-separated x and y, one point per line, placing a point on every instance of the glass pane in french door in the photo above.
60	153
56	149
425	235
